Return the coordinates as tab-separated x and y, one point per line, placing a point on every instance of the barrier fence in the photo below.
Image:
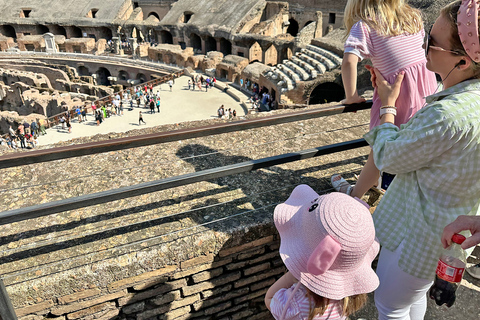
17	159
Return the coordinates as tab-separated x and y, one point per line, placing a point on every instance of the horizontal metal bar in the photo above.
157	185
36	156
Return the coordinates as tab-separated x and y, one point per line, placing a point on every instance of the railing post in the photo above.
6	308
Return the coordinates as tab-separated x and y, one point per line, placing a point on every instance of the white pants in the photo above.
400	295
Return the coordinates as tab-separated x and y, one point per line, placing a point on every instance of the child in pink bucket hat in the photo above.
328	245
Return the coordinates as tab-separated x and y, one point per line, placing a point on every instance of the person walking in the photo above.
140	118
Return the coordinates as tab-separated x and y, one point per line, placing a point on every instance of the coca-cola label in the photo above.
449	273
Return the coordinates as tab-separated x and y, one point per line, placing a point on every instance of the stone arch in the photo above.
151	35
326	92
307	23
225	46
166	37
83	71
123	75
9	31
271	56
195	42
141	77
42	29
102	76
293	27
106	33
153	13
210	44
255	52
60	30
76	32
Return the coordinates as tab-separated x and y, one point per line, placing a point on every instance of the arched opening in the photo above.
102	76
255	52
223	73
166	37
76	32
308	22
293	27
225	46
187	15
41	29
122	75
60	30
196	42
9	31
141	77
210	44
106	33
83	71
153	14
152	36
326	92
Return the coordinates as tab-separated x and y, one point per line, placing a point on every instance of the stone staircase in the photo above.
305	65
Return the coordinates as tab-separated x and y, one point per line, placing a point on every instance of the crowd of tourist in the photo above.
200	82
25	136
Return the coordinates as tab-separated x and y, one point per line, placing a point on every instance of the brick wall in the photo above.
229	285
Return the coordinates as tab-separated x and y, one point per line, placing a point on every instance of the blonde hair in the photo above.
318	304
387	17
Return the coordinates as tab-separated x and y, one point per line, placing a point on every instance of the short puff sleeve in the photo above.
280	300
358	41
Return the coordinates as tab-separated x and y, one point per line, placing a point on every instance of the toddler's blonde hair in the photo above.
387	17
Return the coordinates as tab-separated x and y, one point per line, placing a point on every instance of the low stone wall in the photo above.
230	285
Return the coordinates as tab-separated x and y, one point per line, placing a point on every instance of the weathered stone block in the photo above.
256	269
196	261
189	290
258	277
251	253
237	265
166	298
250	296
39	308
210	302
185	301
203	276
177	313
214	292
262	284
140	278
88	303
79	296
134	308
100	308
246	246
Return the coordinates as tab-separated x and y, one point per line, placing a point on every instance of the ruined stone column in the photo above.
134	45
116	44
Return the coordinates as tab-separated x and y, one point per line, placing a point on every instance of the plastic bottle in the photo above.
450	269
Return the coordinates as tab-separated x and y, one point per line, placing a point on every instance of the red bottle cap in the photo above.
458	238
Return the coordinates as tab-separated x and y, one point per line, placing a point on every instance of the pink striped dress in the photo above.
299	306
390	55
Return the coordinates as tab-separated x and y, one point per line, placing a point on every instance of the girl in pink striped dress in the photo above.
389	33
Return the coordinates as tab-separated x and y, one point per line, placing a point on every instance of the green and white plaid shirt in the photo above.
436	157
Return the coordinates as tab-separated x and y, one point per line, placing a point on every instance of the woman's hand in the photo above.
471	223
388	93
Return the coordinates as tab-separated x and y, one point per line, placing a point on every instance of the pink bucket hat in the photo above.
328	242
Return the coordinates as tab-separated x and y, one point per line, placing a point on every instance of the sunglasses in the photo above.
428	45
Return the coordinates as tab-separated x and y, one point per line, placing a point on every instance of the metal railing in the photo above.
12	160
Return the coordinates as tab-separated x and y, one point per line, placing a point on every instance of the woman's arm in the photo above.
349	78
286	281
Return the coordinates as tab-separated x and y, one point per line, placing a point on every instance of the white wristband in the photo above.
388	110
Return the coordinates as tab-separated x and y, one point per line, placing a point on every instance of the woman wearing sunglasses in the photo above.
436	159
